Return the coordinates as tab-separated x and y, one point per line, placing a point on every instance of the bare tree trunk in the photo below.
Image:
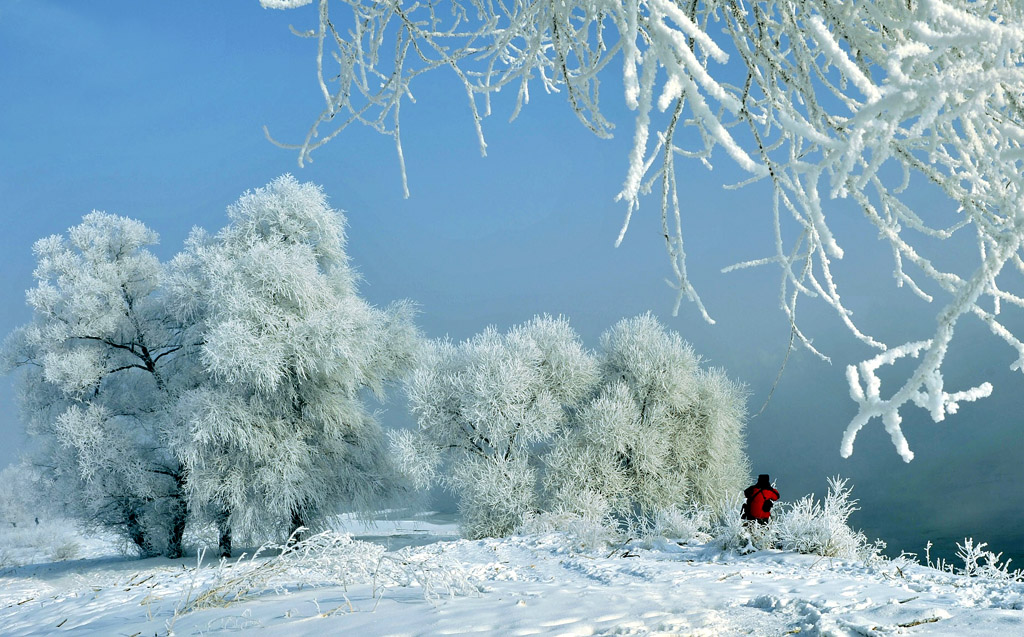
179	517
136	533
297	523
224	545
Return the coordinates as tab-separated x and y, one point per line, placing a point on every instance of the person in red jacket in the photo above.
760	498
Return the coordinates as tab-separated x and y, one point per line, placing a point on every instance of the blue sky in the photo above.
155	111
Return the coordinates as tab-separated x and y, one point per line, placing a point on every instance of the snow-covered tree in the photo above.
483	406
280	436
21	500
718	418
869	101
662	434
101	369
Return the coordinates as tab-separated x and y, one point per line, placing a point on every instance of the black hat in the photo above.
763	481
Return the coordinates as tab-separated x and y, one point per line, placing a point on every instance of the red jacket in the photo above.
759	502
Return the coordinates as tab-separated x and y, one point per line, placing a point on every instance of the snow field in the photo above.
521	585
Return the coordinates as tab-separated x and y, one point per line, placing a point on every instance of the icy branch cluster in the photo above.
824	99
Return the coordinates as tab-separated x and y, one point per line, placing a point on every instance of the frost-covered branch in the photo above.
821	99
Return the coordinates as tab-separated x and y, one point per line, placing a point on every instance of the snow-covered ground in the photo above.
430	583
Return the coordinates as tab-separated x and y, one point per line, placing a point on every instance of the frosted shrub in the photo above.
52	540
683	525
324	559
495	495
20	496
732	533
978	562
7	560
585	503
808	526
483	407
660	434
585	520
65	551
668	526
587	533
981	563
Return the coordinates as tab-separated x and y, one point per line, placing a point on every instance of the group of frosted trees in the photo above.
228	388
529	421
225	386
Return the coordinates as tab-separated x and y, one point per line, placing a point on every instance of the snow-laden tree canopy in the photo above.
482	407
824	99
103	365
279	436
530	422
660	434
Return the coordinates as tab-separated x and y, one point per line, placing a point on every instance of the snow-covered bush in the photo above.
661	434
482	407
732	533
278	436
683	525
102	362
978	562
586	533
7	560
590	527
325	559
67	550
48	540
807	526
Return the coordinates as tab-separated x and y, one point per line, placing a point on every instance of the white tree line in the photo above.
228	387
823	99
530	422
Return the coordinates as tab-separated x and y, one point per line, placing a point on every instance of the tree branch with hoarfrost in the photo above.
823	99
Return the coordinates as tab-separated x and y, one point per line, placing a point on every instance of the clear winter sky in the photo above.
154	110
